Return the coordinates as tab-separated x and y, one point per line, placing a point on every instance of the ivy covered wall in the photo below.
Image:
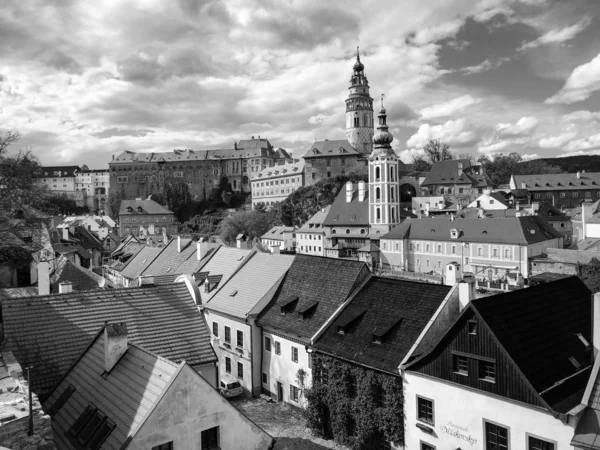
354	405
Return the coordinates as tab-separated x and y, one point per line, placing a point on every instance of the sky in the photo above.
84	80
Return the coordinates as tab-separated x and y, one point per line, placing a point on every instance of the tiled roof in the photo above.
446	172
50	331
280	171
327	148
538	328
81	279
315	223
148	207
59	171
551	214
558	181
124	255
396	311
353	213
588	244
276	232
241	294
126	397
500	230
140	261
170	259
65	249
312	279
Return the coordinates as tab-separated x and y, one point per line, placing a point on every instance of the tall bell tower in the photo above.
359	110
384	198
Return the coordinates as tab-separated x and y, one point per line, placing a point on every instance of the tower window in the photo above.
392	194
356	121
391	173
366	120
377	194
393	215
377	173
378	215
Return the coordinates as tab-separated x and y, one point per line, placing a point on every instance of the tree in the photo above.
62	204
252	223
436	150
590	275
472	160
420	164
500	167
113	204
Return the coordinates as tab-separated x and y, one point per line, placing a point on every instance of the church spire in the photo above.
383	138
359	110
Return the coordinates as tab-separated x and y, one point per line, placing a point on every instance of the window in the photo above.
534	443
210	438
496	437
265	378
295	354
91	429
537	195
460	190
454	249
240	339
588	194
228	335
277	348
216	329
494	253
294	393
472	327
167	446
425	410
439	249
575	194
563	195
480	251
460	364
240	371
426	446
227	364
267	344
487	371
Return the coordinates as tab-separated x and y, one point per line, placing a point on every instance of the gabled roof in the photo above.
496	230
315	223
277	232
127	396
59	171
241	294
551	214
141	261
327	148
170	259
280	171
312	279
50	331
395	311
80	278
147	207
353	213
558	181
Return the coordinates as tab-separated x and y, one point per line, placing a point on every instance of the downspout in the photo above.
252	359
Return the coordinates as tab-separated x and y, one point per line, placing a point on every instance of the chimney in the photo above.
178	244
535	208
487	192
43	278
65	287
596	323
361	191
115	344
481	213
578	174
460	169
202	249
146	281
349	191
65	234
583	220
466	292
523	185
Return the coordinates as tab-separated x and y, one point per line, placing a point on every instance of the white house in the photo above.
310	237
279	238
490	200
231	315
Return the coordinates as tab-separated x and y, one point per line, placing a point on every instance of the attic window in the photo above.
340	329
377	340
472	325
129	209
433	230
168	269
574	362
454	233
484	232
91	429
233	293
289	306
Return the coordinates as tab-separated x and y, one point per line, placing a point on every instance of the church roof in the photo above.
327	148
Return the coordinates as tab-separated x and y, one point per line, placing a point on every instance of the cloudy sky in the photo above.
84	80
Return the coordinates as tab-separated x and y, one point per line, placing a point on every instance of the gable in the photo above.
482	346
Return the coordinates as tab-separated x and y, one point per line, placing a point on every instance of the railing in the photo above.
404	274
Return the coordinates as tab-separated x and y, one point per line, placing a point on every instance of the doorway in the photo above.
279	392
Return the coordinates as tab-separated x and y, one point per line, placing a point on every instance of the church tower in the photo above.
359	110
384	199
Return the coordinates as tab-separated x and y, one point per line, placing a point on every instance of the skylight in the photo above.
582	339
575	363
233	293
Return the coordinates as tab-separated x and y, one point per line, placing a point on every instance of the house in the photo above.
274	184
555	217
520	361
488	247
331	158
311	235
313	289
232	311
50	331
119	395
145	218
560	189
279	238
518	197
365	345
89	241
130	273
428	205
100	225
96	183
490	200
120	258
456	180
63	180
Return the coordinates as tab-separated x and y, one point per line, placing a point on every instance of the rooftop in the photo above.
448	172
139	207
326	148
558	181
280	171
278	232
315	223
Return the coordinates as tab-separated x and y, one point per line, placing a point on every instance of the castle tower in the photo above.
359	110
384	199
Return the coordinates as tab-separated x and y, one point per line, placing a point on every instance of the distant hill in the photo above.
589	163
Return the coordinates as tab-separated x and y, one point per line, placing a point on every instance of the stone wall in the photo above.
317	169
542	265
571	256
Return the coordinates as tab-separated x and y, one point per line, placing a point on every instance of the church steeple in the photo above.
359	110
384	200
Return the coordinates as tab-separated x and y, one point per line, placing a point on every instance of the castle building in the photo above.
96	183
359	110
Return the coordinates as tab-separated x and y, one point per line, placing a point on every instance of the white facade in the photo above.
487	202
279	238
274	184
460	416
423	204
310	243
281	370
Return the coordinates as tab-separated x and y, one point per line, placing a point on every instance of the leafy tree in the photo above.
500	167
227	197
420	164
62	204
436	150
260	207
113	204
252	223
590	275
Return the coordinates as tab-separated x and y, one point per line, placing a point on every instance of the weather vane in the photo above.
382	95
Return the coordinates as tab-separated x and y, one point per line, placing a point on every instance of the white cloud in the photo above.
407	156
581	116
529	156
448	108
317	120
495	147
525	126
456	133
556	141
437	32
557	35
580	84
589	143
484	66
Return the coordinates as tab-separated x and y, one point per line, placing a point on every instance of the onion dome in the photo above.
358	66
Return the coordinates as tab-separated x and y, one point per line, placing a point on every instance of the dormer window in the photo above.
129	209
454	233
139	209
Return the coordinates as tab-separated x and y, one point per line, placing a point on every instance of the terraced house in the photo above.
489	247
274	184
560	190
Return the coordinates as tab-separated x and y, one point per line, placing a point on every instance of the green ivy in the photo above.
360	403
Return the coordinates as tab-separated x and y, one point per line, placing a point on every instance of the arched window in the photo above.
333	231
377	194
392	193
362	231
356	121
378	215
392	173
347	230
366	120
393	215
377	173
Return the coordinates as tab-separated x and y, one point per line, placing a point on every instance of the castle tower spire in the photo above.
359	110
384	200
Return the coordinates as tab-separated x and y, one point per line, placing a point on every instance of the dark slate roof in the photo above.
59	171
312	279
558	181
446	172
538	328
354	213
321	149
395	310
50	331
170	259
80	278
148	207
501	230
552	214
